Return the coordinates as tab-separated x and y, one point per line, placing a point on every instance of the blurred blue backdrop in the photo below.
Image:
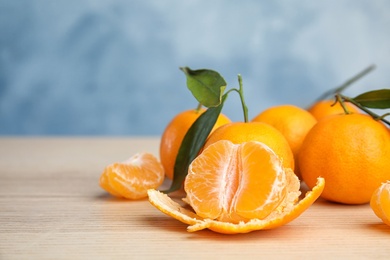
83	67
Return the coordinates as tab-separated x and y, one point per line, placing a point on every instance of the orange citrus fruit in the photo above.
380	202
238	188
232	183
132	178
351	152
292	121
174	133
324	108
239	132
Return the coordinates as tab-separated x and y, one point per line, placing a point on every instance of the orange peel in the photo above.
171	208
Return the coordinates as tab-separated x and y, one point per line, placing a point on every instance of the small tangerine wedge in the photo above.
380	202
132	178
238	188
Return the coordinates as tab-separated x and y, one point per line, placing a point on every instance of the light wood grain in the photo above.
51	207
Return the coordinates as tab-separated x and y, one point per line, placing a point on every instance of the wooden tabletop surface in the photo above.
51	207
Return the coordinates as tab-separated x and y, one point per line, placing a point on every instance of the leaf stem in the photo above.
241	93
382	117
341	102
199	107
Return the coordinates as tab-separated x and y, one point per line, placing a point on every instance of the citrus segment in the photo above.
171	208
261	189
174	133
105	184
132	178
380	202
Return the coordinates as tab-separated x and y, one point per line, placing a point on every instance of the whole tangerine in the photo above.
351	152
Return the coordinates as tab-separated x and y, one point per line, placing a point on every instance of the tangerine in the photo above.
292	121
240	132
132	178
238	188
324	108
351	151
240	182
174	133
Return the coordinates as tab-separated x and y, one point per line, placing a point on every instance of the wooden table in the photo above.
51	207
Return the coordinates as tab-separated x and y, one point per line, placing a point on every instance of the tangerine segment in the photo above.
105	184
166	205
132	178
235	182
380	202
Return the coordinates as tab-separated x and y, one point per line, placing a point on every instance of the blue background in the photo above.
79	67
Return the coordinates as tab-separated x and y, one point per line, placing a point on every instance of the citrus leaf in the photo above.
207	86
374	99
192	143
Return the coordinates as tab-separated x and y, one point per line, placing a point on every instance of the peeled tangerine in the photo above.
238	188
380	202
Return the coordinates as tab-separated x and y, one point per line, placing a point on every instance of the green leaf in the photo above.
374	99
192	143
207	86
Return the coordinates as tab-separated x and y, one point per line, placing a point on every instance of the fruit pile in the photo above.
243	176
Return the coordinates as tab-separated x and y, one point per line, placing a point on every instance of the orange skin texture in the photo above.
351	152
239	132
174	133
324	108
